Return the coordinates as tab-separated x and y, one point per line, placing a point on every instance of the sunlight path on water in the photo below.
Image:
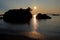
34	23
34	34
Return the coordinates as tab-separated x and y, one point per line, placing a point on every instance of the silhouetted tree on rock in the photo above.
42	16
18	15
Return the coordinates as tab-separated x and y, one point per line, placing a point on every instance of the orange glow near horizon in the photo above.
35	10
38	9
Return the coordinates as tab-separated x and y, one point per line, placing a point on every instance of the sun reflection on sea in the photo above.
34	23
34	34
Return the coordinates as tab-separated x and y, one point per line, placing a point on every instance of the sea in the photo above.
48	28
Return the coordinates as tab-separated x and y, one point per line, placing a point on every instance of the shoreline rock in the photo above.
43	16
18	15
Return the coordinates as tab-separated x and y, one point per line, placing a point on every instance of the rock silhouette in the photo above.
18	15
1	17
55	15
43	16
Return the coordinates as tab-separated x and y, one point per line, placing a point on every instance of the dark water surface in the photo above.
42	29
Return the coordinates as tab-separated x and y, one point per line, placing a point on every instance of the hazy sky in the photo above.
44	6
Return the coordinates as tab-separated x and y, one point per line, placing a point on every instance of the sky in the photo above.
43	6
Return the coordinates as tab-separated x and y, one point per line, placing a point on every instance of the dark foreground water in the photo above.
37	29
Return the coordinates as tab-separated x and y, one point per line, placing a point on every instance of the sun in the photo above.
34	7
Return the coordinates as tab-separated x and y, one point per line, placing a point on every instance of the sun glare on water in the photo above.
34	22
34	16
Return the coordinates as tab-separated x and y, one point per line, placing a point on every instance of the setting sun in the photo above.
35	7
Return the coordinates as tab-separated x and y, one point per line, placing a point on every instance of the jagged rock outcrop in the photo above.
18	15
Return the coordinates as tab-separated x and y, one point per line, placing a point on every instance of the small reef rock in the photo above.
18	15
55	15
43	16
1	17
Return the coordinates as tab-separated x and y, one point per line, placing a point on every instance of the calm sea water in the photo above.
48	27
